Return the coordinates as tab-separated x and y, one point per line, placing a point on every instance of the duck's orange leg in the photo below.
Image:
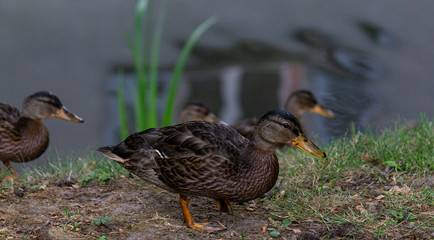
224	206
188	219
9	167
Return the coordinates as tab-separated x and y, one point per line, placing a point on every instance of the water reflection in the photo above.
355	62
376	33
313	38
337	73
353	101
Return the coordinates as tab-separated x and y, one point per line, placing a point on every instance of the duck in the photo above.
206	159
197	111
303	101
298	103
23	136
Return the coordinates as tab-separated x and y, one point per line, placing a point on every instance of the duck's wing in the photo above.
8	114
246	127
184	158
196	138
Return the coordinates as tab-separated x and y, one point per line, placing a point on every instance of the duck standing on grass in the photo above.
211	160
23	136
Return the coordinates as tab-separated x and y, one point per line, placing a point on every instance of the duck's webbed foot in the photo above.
206	227
201	227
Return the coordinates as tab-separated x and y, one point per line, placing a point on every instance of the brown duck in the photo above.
197	111
211	160
298	103
303	101
23	136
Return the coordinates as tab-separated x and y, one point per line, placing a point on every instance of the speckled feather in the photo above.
198	159
16	145
8	114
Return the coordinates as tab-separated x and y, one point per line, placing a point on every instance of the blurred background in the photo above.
369	62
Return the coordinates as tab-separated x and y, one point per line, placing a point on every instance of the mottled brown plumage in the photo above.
298	103
211	160
23	136
196	111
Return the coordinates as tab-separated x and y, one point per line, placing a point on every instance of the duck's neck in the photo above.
298	111
259	169
33	139
293	108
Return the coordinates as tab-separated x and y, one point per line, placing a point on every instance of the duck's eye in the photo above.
286	125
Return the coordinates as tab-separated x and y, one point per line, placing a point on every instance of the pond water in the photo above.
370	65
358	85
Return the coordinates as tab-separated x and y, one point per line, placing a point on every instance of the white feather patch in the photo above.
161	154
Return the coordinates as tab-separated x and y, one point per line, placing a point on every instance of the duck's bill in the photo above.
323	111
306	145
65	114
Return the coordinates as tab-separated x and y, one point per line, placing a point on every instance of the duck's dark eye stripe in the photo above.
276	121
285	125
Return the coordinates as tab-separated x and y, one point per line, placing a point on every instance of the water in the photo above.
247	89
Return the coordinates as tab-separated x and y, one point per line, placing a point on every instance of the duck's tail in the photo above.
142	158
108	152
141	162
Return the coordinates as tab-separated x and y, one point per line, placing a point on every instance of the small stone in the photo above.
19	192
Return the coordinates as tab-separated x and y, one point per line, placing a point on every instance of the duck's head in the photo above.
304	101
41	105
197	111
278	128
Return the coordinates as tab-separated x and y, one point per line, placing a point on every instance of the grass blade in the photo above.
139	64
147	51
186	50
122	107
153	75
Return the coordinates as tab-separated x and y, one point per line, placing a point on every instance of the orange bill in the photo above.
306	145
65	114
323	111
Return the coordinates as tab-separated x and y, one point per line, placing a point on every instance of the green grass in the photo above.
90	169
370	182
356	186
102	220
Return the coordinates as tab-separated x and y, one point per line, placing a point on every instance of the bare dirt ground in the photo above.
138	211
131	209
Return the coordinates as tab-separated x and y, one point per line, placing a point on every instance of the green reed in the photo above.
145	48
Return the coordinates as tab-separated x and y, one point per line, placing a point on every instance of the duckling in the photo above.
196	111
298	103
211	160
23	136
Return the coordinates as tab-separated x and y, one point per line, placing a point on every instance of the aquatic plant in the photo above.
145	54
